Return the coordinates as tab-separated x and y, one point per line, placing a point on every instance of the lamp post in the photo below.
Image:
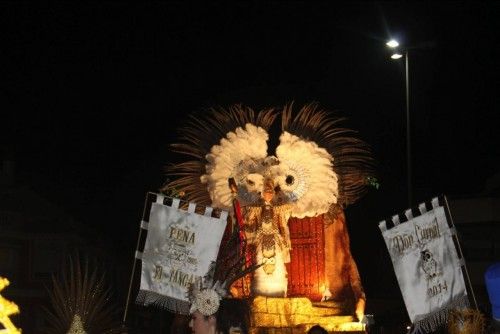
394	44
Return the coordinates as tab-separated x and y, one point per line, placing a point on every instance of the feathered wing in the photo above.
331	165
236	156
216	143
305	176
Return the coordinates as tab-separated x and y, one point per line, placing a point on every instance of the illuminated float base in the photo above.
298	315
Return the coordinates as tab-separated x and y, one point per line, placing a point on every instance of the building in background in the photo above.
35	237
477	219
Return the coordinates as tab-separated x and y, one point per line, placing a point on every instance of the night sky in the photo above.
91	94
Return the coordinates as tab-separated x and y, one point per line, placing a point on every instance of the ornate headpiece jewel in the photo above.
205	298
206	301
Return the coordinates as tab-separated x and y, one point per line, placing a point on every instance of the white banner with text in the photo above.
180	247
427	266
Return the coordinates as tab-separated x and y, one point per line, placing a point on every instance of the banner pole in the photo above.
135	260
460	250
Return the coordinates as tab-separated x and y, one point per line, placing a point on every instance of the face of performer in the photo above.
267	196
201	324
268	193
267	190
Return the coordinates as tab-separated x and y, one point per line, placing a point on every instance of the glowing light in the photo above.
392	43
297	311
396	56
325	292
7	308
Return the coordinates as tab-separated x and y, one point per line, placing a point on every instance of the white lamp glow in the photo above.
396	56
392	43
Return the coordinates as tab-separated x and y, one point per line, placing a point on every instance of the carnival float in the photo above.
287	206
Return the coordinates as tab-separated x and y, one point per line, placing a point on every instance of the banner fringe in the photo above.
146	298
432	321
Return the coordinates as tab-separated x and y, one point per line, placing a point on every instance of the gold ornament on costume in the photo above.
7	308
206	301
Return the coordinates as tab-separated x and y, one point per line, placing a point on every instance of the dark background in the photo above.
91	95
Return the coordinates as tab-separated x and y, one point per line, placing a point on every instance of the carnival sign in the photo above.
427	264
179	249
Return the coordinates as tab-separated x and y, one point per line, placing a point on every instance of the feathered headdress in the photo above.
206	300
317	162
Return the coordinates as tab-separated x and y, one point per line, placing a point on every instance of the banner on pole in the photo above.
179	249
427	265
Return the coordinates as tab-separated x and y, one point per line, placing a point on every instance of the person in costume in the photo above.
267	233
211	313
203	311
212	308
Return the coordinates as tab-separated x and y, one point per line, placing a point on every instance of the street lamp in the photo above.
397	55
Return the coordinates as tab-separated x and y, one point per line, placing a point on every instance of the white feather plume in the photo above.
239	147
305	175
